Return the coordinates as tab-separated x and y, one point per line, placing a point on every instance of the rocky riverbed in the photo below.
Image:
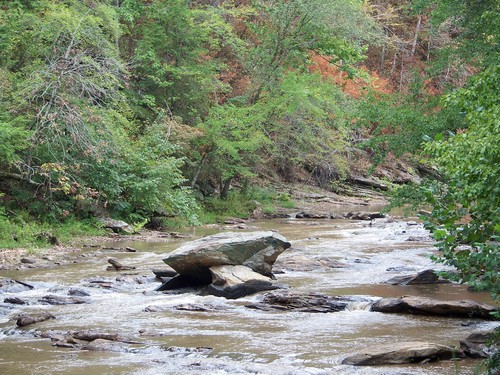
107	315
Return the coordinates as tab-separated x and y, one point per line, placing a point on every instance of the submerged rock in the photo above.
13	286
301	263
305	302
103	345
184	350
429	306
403	352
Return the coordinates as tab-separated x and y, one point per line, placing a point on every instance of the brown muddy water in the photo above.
244	341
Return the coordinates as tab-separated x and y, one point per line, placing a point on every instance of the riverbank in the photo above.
307	199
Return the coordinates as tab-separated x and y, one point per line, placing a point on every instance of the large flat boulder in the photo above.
429	306
402	352
255	250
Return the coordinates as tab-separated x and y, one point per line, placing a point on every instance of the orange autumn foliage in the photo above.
352	87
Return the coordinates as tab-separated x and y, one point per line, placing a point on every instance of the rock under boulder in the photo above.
255	250
429	306
403	352
238	281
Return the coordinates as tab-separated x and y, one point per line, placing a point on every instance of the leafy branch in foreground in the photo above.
466	201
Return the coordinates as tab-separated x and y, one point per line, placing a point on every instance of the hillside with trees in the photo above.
163	111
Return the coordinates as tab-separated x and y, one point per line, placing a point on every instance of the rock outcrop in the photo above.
238	281
255	250
234	264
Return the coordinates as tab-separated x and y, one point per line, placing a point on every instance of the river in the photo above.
244	341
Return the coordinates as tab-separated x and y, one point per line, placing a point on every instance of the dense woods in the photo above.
161	110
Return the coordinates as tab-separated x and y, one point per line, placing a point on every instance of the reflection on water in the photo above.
244	341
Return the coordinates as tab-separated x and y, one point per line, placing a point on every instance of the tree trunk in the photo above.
382	60
198	170
224	188
415	39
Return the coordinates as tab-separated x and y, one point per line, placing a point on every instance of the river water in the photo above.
244	341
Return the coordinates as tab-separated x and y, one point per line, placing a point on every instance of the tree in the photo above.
286	32
466	204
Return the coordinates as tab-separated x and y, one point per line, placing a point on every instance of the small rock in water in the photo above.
15	301
28	261
165	272
78	293
25	320
424	277
179	349
305	302
59	300
117	266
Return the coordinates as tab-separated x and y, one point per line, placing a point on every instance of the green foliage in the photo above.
308	124
465	201
288	31
24	232
67	130
476	24
173	61
400	124
467	205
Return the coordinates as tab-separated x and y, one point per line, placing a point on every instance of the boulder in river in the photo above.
402	352
429	306
238	281
305	302
255	250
